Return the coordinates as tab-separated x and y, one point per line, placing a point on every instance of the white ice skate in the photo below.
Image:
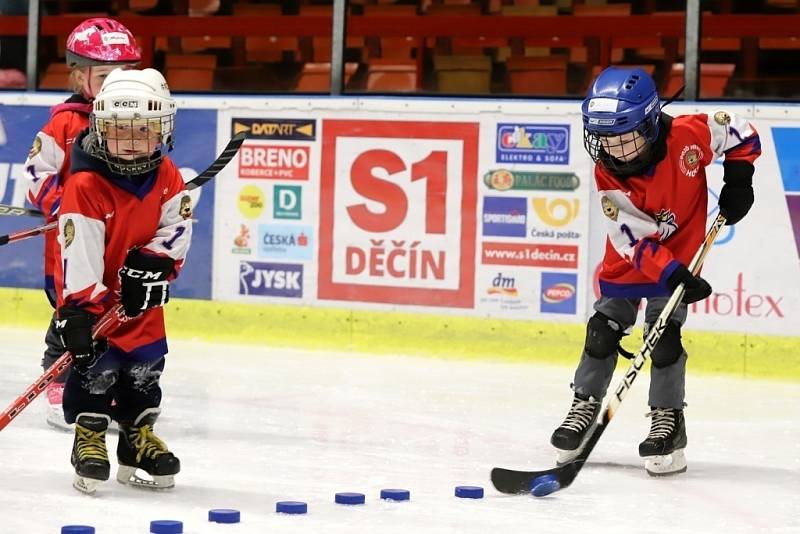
668	464
55	409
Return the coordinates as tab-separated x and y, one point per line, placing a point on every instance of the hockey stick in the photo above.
545	482
5	209
109	319
201	179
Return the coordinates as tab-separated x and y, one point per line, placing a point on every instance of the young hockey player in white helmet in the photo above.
651	182
125	225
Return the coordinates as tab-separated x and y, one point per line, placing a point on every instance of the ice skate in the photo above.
570	438
139	448
89	454
55	409
663	447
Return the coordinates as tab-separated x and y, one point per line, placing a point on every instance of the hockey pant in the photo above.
668	368
132	380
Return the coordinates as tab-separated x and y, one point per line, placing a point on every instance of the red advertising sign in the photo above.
273	162
397	212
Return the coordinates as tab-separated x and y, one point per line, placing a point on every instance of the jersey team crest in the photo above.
69	233
722	118
690	159
186	207
36	147
666	224
610	209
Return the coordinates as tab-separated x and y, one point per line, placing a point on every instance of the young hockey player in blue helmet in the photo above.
651	183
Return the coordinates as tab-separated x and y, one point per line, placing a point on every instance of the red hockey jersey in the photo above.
101	218
48	164
658	219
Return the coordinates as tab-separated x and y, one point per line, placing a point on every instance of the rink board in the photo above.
449	337
396	222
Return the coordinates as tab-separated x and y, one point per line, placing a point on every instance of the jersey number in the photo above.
627	232
171	241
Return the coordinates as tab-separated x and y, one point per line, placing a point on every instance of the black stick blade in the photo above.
519	482
549	480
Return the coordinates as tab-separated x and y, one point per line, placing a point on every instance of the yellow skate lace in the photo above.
147	443
91	444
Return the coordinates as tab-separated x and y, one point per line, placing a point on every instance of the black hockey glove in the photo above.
144	282
696	288
74	327
736	196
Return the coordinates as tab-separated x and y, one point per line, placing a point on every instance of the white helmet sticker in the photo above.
602	122
651	105
604	104
115	38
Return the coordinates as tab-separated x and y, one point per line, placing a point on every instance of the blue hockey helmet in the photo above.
621	103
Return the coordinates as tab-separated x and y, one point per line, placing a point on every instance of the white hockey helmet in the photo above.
134	99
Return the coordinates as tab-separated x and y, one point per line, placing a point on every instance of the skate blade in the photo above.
86	485
55	418
666	465
127	475
61	426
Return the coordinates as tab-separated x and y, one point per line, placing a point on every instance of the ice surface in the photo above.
257	425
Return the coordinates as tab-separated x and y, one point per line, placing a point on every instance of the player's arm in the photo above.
737	140
147	271
79	278
635	236
42	166
174	233
81	238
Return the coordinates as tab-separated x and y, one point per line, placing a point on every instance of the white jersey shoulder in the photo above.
728	130
82	241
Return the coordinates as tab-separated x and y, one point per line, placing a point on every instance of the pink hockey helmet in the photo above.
101	41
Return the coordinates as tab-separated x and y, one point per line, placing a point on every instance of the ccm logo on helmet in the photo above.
125	104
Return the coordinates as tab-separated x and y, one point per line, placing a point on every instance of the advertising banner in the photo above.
478	207
195	149
460	212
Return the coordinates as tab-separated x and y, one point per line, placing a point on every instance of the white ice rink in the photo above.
255	425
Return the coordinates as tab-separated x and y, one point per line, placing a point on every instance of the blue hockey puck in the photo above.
166	526
223	515
291	507
350	498
395	494
77	529
469	492
544	485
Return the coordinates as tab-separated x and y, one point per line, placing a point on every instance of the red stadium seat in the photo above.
463	74
713	79
391	76
316	77
537	75
190	79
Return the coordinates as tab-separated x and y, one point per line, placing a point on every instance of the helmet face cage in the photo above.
133	146
622	153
